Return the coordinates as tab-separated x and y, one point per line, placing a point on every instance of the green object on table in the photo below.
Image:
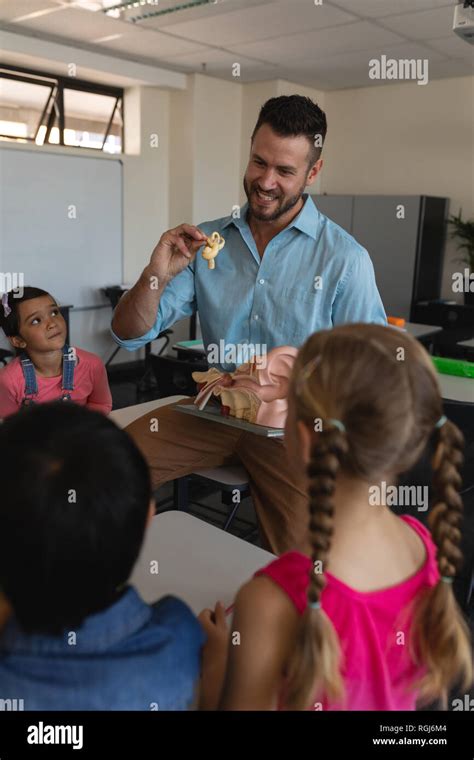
453	366
189	343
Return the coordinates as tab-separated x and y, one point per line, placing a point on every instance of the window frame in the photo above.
58	84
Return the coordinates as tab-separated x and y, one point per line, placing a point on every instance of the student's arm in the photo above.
214	657
101	398
357	297
266	622
136	312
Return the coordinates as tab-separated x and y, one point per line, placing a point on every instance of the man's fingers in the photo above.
177	241
192	231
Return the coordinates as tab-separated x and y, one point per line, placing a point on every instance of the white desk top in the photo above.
420	331
198	347
454	388
197	562
124	417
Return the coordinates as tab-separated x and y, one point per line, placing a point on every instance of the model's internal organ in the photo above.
256	391
215	244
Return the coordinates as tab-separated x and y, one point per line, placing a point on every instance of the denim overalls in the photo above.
31	386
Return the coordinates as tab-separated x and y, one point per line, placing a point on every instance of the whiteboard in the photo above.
61	223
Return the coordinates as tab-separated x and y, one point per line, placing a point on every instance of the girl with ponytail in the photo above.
361	616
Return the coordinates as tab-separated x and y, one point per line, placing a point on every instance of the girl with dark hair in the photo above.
46	368
364	616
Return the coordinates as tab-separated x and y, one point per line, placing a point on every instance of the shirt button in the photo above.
256	317
261	281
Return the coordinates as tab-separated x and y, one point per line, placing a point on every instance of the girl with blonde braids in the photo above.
361	616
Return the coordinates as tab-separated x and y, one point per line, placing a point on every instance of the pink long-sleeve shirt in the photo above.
374	628
91	386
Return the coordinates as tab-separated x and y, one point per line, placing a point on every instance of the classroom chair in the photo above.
5	355
114	294
233	483
174	376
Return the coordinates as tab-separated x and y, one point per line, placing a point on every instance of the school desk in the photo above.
124	417
197	562
454	388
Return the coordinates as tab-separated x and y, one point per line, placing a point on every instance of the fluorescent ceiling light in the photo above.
87	5
150	8
37	14
108	38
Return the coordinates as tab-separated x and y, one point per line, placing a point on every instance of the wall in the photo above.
405	138
146	175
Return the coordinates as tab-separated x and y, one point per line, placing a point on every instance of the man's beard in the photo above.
283	205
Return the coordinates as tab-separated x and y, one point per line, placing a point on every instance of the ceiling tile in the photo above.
152	44
424	25
221	62
453	46
380	8
10	9
314	45
211	11
262	22
352	69
75	24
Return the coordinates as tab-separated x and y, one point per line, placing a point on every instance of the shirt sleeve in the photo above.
8	399
100	398
357	297
177	302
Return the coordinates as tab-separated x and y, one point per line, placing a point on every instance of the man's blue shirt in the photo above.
313	276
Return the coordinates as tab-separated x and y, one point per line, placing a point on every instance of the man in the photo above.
286	271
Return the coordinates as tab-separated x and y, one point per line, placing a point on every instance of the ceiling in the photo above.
325	46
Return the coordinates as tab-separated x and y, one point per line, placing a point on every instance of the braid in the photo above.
445	517
441	637
322	470
315	665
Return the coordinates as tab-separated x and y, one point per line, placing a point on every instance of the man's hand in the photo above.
214	656
175	250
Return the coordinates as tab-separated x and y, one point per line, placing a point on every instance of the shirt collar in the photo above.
97	633
307	220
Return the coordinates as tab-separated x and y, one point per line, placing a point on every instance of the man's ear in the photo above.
314	171
17	342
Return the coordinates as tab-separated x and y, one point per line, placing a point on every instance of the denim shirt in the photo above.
131	656
313	276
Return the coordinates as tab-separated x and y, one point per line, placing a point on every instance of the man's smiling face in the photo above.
277	173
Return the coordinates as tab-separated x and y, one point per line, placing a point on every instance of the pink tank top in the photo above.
373	627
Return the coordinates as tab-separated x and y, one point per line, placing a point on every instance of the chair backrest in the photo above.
174	376
463	416
4	355
114	293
